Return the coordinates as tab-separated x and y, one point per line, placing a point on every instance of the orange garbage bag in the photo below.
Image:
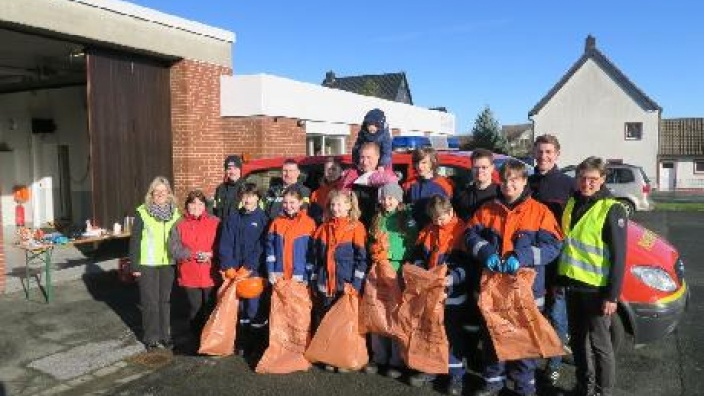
518	330
419	322
337	341
289	329
382	295
218	336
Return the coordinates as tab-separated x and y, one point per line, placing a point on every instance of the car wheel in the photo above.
618	332
628	205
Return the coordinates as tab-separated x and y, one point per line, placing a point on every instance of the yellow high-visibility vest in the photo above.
585	257
155	235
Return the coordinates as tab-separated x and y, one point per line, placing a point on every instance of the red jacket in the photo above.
189	236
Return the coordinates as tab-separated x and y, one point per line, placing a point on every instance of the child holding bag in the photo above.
393	234
242	247
441	243
340	253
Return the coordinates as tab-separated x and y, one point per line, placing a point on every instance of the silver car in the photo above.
628	184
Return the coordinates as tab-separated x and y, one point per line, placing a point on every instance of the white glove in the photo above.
272	279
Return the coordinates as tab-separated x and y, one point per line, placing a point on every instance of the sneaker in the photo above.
329	368
454	388
393	372
421	379
341	370
552	376
168	344
151	346
371	368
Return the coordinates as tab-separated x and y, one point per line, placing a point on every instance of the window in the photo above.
460	176
698	166
634	130
620	176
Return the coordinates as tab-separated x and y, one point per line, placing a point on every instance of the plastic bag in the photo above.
382	296
419	322
289	329
218	336
518	330
338	341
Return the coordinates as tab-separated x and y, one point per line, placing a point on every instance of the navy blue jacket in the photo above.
382	137
242	241
552	189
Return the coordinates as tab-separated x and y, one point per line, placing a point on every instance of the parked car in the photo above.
628	184
654	294
409	143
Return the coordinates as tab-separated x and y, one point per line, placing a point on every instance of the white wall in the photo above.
588	114
685	178
262	94
33	157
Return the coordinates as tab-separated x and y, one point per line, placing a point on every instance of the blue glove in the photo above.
493	263
511	265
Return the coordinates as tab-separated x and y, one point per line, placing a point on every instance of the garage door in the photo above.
129	119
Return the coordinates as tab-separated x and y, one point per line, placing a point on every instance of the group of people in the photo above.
571	233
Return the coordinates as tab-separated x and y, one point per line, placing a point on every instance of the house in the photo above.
520	139
389	86
594	109
681	154
91	112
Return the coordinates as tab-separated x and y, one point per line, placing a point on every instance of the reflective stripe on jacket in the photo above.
154	239
585	257
289	247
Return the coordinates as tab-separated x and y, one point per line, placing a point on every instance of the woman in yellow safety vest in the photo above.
592	266
151	262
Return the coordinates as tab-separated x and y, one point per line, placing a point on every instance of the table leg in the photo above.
27	262
47	271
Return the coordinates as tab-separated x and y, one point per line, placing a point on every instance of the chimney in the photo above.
329	78
590	44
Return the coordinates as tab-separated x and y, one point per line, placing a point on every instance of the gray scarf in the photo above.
161	212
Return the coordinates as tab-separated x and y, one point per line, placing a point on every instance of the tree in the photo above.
487	134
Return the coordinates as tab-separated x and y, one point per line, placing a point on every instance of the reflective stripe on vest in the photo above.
585	257
155	235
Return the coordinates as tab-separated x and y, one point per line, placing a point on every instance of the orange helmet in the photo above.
250	287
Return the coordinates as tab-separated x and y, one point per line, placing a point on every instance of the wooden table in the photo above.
40	255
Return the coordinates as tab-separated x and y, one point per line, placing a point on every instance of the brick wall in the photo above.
2	255
198	141
202	138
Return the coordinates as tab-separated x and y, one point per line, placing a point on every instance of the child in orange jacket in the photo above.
441	243
340	253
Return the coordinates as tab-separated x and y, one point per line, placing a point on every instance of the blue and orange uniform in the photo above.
419	191
242	245
289	248
444	245
341	257
527	230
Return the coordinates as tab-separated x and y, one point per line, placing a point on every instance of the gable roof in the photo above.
388	84
682	136
591	52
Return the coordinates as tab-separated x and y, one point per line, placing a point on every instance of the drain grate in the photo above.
153	359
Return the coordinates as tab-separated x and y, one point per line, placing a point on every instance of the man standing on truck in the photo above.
592	266
552	188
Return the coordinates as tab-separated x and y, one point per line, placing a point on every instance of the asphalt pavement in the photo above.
84	342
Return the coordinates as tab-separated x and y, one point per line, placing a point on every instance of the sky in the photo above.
466	55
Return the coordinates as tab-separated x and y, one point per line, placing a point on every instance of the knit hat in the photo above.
391	190
375	117
233	160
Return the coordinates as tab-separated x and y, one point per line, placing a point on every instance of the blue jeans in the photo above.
557	313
